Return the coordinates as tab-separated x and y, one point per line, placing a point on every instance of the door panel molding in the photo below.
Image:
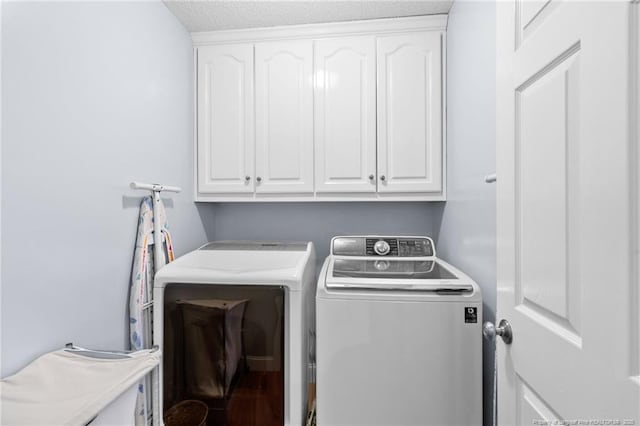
530	404
553	322
552	65
547	266
530	15
634	131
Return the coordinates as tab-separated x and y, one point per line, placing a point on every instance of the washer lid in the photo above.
393	274
397	269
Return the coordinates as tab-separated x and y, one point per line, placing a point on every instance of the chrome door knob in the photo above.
247	178
371	177
259	179
503	330
383	178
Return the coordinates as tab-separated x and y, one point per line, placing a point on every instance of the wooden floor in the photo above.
256	400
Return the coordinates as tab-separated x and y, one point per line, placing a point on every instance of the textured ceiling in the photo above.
212	15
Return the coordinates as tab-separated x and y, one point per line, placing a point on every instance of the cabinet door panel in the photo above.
225	119
410	113
284	117
345	114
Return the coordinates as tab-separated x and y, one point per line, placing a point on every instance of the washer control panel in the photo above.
383	246
416	247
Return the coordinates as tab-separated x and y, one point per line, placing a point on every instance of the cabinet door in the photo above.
225	119
410	112
284	117
345	115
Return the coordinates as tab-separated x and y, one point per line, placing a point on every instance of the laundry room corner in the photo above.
319	212
467	233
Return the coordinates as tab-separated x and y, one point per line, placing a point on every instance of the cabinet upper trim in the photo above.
311	31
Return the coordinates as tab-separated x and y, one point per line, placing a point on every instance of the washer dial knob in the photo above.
381	247
381	265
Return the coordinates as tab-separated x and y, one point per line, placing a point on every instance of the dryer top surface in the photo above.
241	262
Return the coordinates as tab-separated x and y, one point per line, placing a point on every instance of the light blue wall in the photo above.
97	94
319	222
468	228
94	95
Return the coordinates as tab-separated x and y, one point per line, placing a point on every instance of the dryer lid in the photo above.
256	245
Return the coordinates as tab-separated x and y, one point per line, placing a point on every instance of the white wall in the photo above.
468	229
94	95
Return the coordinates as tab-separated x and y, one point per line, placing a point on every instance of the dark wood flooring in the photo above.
257	399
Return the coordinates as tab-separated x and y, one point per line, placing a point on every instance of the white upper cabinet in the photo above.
284	116
345	114
349	111
225	119
410	112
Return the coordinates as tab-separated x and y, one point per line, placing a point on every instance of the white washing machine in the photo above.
399	339
232	266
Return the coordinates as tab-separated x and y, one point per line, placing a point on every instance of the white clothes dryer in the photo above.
248	269
398	336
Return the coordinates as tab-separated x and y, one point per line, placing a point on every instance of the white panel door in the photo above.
410	112
567	214
345	114
284	117
225	119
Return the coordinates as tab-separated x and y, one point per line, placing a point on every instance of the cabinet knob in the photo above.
259	179
247	178
371	177
383	178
